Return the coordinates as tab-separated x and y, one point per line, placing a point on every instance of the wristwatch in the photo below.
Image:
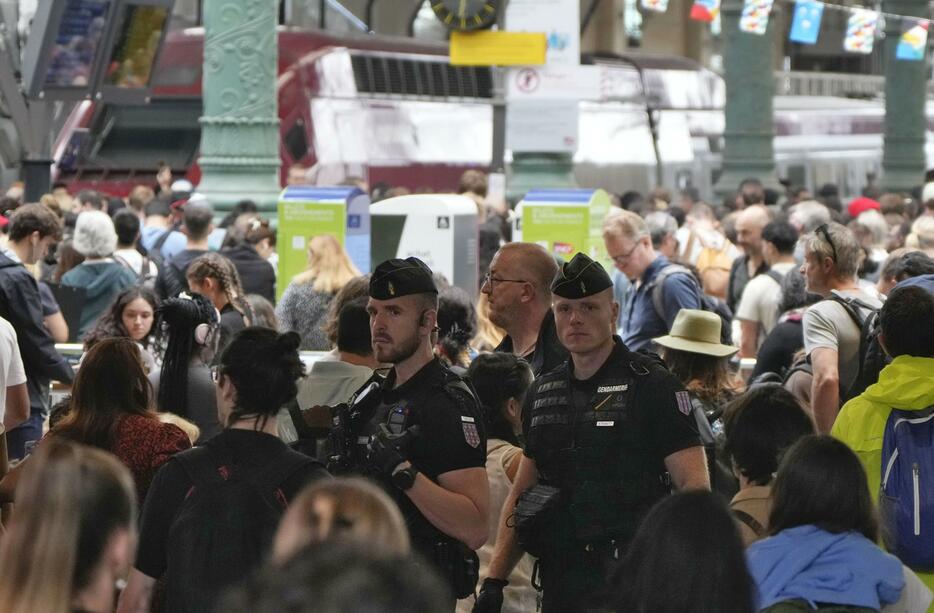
404	478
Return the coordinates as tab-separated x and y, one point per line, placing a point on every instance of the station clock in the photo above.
466	15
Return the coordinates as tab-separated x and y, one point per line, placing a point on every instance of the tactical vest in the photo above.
588	451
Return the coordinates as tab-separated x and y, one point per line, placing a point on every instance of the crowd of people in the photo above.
734	414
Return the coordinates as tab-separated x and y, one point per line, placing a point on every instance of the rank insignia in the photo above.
391	288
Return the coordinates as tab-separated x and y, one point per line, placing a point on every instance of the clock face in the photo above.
465	14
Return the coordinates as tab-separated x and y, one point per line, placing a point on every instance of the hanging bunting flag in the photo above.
657	6
755	17
913	41
806	25
705	10
860	31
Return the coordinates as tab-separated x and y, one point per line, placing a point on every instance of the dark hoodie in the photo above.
21	305
256	274
102	281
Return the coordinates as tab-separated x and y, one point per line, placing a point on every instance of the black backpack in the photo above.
872	358
225	526
708	303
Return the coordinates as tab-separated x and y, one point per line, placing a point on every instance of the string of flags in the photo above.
861	28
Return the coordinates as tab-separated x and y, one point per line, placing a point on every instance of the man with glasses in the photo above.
518	289
831	330
629	244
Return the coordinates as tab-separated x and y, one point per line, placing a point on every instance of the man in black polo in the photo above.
519	294
419	430
609	433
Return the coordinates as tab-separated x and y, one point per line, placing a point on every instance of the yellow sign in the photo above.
493	48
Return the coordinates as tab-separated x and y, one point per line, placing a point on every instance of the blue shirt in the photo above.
640	322
621	287
175	242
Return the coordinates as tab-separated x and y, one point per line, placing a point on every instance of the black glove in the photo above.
386	450
490	599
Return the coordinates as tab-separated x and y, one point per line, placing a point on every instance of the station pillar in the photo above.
903	159
749	129
240	125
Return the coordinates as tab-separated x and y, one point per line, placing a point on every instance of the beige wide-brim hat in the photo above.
696	331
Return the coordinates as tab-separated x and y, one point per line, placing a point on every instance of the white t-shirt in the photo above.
135	260
827	324
761	299
11	363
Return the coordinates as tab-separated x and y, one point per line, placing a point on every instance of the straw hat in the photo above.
696	331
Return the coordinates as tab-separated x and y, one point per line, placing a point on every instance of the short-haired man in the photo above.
160	235
335	377
662	229
605	430
758	309
33	229
831	334
749	225
418	432
907	384
89	200
518	289
750	193
127	226
196	225
629	245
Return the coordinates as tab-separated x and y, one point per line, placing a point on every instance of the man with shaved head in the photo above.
749	225
518	289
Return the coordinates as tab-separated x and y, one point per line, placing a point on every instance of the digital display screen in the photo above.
138	36
77	43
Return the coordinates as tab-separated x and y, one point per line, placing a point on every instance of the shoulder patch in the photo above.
684	402
471	435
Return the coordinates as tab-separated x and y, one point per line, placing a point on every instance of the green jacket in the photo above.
907	384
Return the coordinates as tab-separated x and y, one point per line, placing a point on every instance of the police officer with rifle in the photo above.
608	433
418	431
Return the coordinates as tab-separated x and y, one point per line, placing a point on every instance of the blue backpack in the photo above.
906	499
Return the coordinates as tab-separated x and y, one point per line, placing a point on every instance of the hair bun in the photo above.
288	341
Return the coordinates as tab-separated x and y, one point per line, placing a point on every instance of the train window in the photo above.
295	141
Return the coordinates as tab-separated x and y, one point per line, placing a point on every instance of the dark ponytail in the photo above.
264	367
179	317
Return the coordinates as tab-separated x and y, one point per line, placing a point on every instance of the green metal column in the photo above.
903	160
747	63
240	126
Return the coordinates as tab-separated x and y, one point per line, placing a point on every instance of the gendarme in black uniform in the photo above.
434	400
602	442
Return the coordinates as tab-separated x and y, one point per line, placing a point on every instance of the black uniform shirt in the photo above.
653	413
451	434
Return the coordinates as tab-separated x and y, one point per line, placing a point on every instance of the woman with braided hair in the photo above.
215	277
184	386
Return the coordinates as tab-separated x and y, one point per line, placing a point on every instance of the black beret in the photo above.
579	278
395	278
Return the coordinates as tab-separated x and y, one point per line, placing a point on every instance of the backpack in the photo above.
143	277
708	303
906	499
225	525
155	252
872	358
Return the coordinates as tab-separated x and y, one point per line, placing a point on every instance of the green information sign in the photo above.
298	222
565	222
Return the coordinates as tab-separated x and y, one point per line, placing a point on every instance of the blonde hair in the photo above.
624	224
843	250
489	335
192	431
329	266
359	511
69	502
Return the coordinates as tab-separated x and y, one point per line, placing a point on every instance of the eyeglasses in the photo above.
824	231
489	279
621	259
216	373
